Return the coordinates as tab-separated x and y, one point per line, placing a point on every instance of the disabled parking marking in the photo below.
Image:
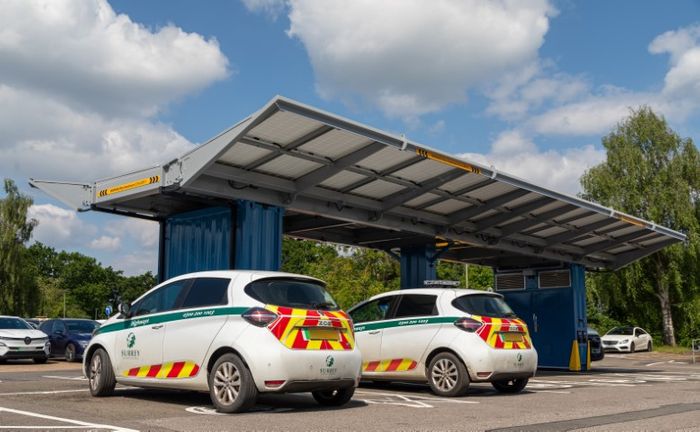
72	424
410	401
204	410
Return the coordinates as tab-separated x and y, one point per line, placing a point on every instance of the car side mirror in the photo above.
125	309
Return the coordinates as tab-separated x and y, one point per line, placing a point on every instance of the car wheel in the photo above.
510	386
334	397
100	374
231	385
447	375
70	352
632	349
40	360
649	347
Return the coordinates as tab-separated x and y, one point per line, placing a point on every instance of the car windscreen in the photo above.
13	324
81	326
290	292
484	305
622	331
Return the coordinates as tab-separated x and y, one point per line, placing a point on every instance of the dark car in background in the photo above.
69	336
597	351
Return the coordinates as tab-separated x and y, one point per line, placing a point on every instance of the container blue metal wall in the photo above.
417	265
258	240
556	318
206	239
197	240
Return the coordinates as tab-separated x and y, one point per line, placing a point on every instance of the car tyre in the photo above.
40	360
447	375
100	374
231	385
70	352
649	347
334	397
510	386
632	348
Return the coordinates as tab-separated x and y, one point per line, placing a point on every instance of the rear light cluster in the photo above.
468	324
259	316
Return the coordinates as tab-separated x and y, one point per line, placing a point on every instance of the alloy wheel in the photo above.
95	371
444	374
227	383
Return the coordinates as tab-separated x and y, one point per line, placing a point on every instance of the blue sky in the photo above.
93	89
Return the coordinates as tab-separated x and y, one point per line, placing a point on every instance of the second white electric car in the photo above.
447	337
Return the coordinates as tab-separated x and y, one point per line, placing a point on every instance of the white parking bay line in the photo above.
73	424
69	378
43	392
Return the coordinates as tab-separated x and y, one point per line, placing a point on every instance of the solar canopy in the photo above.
348	183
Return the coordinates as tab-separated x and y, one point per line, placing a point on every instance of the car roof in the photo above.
255	274
435	291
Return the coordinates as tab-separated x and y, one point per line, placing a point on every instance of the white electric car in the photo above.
232	333
447	337
19	340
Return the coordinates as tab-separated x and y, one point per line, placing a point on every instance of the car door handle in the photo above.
373	332
157	327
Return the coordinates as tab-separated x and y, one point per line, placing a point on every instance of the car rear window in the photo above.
290	292
484	305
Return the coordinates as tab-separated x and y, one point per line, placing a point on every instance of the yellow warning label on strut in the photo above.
456	163
128	186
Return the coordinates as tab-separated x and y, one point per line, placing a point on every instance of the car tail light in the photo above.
259	317
468	324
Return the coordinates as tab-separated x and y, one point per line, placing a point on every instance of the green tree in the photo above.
653	173
17	283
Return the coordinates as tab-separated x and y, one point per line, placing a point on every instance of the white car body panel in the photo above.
190	337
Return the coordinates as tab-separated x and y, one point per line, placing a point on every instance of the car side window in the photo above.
207	292
375	310
59	326
637	332
411	305
163	299
46	327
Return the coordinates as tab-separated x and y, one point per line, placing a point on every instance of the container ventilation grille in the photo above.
555	279
510	281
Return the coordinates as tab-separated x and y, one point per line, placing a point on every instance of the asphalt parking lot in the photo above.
641	391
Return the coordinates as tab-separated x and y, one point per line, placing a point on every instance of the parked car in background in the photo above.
447	337
19	340
597	351
627	339
233	333
69	336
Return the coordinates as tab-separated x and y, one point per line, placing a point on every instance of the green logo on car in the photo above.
329	361
130	340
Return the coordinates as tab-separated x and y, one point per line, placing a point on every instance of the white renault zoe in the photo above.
232	333
447	337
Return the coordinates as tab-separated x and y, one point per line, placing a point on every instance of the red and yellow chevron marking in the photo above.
183	369
299	329
393	365
493	330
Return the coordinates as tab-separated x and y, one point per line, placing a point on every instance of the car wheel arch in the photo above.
225	350
87	355
440	350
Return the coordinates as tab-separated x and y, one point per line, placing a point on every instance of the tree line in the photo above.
649	172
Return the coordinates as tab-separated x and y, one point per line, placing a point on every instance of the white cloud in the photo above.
683	78
136	263
272	8
60	228
79	85
106	243
409	59
515	154
144	232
